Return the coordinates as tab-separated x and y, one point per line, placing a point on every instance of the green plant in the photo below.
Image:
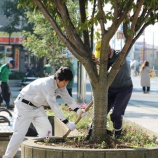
103	145
47	138
137	137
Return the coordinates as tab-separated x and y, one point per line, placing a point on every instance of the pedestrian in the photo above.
119	92
4	77
30	72
37	70
29	107
137	67
145	77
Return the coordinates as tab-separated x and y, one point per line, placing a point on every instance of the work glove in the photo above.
82	112
71	125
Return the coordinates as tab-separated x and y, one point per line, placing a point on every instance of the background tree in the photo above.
16	19
78	37
43	41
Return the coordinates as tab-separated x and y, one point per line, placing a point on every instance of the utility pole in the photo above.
143	55
153	60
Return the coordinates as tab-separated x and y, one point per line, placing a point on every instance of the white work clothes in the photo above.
43	91
40	92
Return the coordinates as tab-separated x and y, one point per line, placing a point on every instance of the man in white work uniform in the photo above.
29	107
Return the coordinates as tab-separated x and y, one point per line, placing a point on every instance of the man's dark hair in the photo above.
63	73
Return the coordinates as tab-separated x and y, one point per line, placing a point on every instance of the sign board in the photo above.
16	38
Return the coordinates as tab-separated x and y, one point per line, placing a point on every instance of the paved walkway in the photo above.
143	108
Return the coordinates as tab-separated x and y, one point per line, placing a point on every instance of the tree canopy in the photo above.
43	41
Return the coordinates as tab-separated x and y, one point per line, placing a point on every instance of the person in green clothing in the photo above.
71	83
4	77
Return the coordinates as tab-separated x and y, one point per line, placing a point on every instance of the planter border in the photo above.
29	149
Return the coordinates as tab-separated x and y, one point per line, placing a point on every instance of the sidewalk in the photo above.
143	108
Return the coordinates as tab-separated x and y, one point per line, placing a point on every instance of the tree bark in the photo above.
100	94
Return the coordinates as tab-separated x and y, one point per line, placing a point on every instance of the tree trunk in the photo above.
100	94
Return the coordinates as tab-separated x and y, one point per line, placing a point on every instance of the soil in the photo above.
88	145
80	142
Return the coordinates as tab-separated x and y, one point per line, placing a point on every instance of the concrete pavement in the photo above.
143	108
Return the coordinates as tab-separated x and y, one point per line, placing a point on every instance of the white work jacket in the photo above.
43	91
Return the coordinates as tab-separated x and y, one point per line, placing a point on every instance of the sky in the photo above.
151	35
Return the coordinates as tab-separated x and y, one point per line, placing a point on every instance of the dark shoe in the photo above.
87	137
110	133
117	134
10	108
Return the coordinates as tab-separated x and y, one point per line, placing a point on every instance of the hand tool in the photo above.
79	118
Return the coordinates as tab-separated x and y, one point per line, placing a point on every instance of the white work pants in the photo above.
25	114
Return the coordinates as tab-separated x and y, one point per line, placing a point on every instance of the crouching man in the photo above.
29	107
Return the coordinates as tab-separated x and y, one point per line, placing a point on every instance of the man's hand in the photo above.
71	125
96	60
82	112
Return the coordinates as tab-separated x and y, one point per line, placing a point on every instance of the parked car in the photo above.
26	81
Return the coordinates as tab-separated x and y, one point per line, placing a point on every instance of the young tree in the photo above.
78	37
